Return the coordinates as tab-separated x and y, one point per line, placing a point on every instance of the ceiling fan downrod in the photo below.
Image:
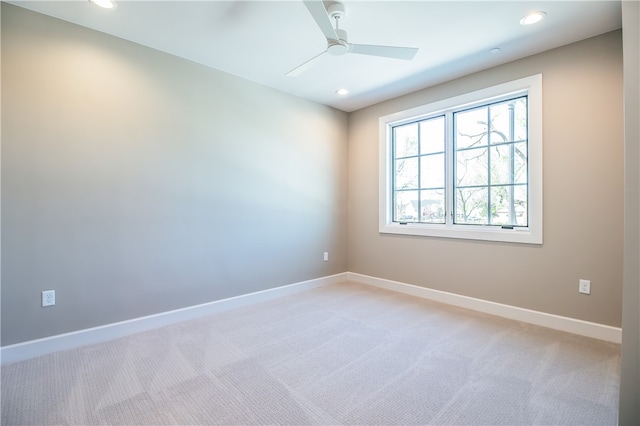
341	46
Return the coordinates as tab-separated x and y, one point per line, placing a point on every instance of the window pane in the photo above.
520	170
520	119
508	164
501	164
501	124
471	128
471	167
509	121
432	205
502	209
520	201
432	171
509	205
406	174
405	140
406	206
471	206
432	135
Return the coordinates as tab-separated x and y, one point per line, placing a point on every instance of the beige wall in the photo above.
630	377
135	182
583	195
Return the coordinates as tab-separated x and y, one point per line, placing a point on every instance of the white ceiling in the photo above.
263	40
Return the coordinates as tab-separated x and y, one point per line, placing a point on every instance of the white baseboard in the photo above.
35	348
557	322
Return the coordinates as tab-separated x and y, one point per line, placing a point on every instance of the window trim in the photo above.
532	234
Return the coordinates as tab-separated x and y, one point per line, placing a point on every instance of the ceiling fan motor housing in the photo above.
338	47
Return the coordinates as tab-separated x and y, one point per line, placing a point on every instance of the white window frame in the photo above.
532	234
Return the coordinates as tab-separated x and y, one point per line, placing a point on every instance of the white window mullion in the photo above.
449	170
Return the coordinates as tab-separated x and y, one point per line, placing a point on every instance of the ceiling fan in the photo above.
337	43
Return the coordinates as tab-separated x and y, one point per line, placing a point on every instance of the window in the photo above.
466	167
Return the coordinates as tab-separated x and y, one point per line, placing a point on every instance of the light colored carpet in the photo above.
341	354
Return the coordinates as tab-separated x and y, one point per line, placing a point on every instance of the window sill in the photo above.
467	232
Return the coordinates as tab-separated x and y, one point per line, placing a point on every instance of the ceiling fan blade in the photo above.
385	51
320	15
306	65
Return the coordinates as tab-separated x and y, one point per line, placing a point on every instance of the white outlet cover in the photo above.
584	286
48	298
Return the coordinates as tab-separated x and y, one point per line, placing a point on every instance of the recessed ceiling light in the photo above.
105	4
494	51
533	17
342	92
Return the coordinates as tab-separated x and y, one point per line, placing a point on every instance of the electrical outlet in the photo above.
48	298
584	286
326	256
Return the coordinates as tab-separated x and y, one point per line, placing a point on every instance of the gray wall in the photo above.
583	195
630	377
135	182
